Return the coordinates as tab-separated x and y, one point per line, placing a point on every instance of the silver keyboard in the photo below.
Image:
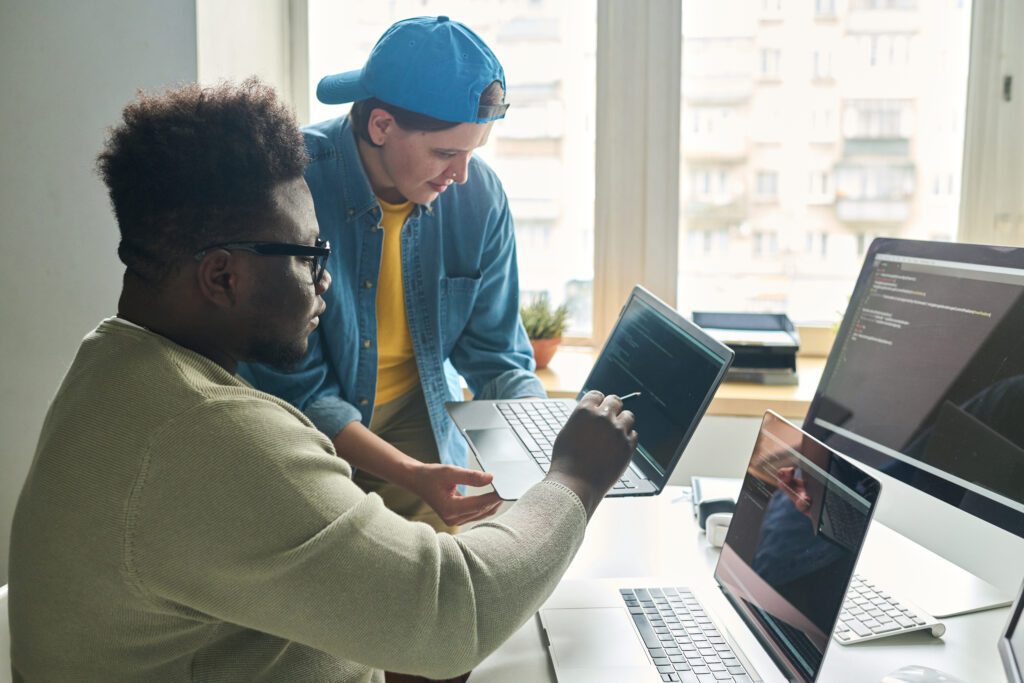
537	423
681	639
870	612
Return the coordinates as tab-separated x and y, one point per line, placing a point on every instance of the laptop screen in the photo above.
800	521
674	365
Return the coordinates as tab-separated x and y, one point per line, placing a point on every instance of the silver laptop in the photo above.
672	367
799	525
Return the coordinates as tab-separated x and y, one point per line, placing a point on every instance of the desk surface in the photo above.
658	537
571	365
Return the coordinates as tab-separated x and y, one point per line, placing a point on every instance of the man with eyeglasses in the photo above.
177	524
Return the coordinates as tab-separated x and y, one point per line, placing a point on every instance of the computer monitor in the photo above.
925	381
1011	644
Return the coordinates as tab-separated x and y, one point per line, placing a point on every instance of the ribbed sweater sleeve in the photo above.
243	513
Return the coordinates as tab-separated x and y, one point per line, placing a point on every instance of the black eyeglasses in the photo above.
317	254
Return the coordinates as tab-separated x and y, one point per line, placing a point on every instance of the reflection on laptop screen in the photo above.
799	524
649	353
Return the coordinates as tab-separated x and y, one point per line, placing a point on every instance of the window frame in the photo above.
637	155
637	187
991	205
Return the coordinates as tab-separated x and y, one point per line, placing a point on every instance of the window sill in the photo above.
571	365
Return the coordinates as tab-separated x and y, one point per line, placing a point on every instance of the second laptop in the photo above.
673	365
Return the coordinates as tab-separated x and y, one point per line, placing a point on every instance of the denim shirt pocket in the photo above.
458	295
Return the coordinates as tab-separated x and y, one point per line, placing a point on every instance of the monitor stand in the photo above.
935	584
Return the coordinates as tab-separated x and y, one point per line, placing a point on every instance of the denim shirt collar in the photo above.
356	188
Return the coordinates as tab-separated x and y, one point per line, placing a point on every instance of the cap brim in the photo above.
342	88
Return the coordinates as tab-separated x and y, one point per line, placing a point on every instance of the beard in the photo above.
278	321
280	355
270	342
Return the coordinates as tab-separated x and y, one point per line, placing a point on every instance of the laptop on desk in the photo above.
673	365
800	522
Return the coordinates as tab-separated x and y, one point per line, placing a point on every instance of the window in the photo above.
867	148
771	10
882	49
766	244
543	150
875	150
767	186
880	119
825	9
771	59
819	187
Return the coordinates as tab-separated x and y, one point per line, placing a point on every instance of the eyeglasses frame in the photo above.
321	250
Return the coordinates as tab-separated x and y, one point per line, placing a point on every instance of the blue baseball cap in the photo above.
429	65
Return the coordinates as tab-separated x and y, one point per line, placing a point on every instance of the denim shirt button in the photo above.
364	401
367	284
367	343
351	212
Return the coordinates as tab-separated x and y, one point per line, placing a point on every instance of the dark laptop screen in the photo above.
799	524
674	365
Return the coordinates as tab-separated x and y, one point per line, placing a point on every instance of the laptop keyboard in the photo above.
870	613
537	423
682	640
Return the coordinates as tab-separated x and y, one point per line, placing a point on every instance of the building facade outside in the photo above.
807	129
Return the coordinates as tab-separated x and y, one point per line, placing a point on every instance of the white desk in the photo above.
658	537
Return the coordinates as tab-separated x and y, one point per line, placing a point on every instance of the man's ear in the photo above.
217	278
380	125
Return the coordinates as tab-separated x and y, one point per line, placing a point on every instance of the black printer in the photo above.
765	344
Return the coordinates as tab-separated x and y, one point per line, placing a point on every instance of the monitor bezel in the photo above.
1011	665
996	513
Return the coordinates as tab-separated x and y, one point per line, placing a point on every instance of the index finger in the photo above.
592	398
612	403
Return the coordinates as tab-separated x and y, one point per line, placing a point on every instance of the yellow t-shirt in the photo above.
396	363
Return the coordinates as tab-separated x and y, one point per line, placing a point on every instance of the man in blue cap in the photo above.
426	286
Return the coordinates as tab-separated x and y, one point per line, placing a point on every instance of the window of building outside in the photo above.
833	123
543	151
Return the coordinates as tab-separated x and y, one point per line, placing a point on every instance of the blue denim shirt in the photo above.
461	296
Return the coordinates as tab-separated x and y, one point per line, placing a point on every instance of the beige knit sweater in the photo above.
177	524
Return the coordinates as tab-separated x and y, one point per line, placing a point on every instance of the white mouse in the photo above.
919	674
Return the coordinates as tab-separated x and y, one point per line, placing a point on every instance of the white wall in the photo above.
66	70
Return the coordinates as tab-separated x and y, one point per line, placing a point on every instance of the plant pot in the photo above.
544	350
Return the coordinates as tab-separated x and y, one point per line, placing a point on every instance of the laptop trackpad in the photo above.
594	638
497	445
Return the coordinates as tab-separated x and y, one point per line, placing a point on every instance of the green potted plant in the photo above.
544	326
